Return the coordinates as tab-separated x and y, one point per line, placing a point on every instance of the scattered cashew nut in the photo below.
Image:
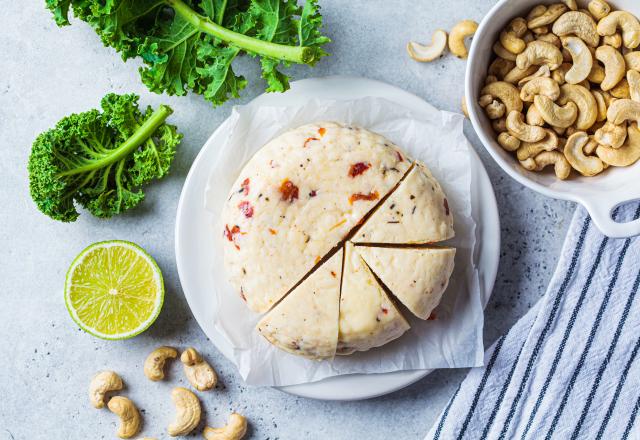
199	373
573	152
101	384
154	364
235	429
130	419
188	412
426	53
458	34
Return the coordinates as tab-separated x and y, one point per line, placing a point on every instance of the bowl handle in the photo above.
601	210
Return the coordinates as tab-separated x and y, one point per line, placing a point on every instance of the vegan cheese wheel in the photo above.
416	276
306	321
296	199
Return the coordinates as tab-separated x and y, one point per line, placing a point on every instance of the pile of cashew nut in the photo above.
188	408
564	88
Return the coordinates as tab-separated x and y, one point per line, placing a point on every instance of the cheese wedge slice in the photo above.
296	199
416	213
305	322
416	276
368	317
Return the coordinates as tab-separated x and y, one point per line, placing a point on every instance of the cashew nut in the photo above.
199	373
518	26
537	11
611	135
538	53
571	4
485	100
584	100
508	142
463	106
101	384
614	66
601	106
130	419
490	79
542	72
542	30
596	75
561	167
502	52
495	110
573	152
599	9
505	92
623	110
154	364
560	72
540	86
614	40
550	38
499	125
518	128
626	22
188	412
528	164
458	34
235	429
512	42
626	155
549	16
579	24
426	53
622	90
582	60
531	149
554	114
500	67
533	117
590	147
633	60
516	74
633	78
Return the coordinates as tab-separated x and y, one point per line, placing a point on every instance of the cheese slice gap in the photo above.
368	317
416	213
296	199
417	277
305	322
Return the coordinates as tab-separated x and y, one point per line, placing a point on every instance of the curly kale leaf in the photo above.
190	45
100	160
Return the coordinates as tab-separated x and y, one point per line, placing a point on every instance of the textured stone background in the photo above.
46	362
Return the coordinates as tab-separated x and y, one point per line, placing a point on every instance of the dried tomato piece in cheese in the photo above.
359	196
358	168
289	191
246	209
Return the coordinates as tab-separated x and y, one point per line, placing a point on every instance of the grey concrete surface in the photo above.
46	361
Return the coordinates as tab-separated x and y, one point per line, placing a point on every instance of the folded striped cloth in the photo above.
570	368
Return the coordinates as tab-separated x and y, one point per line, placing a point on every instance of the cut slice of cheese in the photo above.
416	276
296	199
368	317
306	321
416	213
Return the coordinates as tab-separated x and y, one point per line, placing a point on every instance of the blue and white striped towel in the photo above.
570	368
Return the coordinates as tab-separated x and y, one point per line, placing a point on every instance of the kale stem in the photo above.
138	137
296	54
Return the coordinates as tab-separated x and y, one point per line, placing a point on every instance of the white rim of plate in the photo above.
351	386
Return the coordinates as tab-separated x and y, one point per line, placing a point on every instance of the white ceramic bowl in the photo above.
600	195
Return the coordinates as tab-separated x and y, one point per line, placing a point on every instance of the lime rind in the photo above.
157	277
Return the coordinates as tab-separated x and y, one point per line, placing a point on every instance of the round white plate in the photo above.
194	240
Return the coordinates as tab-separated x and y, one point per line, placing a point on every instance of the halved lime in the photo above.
114	290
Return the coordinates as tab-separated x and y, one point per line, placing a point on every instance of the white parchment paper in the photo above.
453	339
